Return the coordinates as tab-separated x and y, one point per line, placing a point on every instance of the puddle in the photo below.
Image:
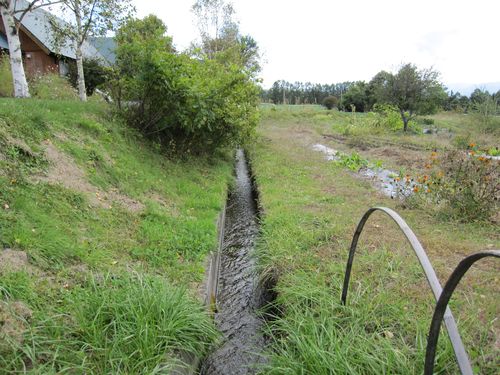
331	154
383	179
239	295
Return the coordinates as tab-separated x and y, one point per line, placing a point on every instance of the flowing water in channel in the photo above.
239	295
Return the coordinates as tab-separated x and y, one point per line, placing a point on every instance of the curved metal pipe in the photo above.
443	300
430	274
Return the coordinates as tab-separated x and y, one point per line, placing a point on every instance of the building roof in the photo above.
36	24
106	47
3	42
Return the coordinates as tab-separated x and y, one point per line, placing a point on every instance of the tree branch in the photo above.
89	21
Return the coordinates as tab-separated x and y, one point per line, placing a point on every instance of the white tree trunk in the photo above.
82	93
15	56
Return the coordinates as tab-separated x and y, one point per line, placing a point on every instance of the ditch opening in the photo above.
241	293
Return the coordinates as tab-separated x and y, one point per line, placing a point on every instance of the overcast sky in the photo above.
328	41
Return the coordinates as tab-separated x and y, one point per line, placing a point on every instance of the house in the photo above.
40	53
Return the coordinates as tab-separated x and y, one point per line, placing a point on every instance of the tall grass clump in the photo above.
137	325
316	334
6	84
119	324
52	86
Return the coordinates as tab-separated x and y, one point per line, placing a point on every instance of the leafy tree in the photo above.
479	96
303	92
88	18
413	92
221	38
216	25
455	102
486	107
357	97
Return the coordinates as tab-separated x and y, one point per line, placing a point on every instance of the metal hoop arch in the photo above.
430	274
443	300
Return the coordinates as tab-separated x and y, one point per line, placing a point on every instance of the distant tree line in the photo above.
362	96
477	99
283	92
410	92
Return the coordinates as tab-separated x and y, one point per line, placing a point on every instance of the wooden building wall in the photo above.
36	60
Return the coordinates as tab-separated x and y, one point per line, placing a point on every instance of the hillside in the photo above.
97	227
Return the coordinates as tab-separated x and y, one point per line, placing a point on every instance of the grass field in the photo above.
310	210
108	243
104	242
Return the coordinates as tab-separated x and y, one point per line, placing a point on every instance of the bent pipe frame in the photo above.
443	300
430	274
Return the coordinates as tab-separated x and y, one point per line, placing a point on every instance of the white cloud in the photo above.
332	41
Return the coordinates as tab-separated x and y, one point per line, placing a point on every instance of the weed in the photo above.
119	324
6	85
494	151
354	162
52	86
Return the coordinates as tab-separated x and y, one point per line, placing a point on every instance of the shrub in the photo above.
462	141
461	185
52	86
95	75
427	121
330	102
191	104
6	85
389	117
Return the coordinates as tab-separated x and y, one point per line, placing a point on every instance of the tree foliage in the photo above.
221	38
412	91
95	73
182	101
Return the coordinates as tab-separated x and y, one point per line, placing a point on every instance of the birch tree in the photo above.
13	13
216	25
85	18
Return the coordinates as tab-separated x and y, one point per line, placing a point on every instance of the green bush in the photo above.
94	72
330	102
354	161
389	117
6	85
192	104
460	186
53	87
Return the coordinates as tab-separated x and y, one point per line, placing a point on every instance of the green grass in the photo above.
310	210
69	238
120	324
6	85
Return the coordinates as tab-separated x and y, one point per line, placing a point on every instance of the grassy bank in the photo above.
107	242
310	209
